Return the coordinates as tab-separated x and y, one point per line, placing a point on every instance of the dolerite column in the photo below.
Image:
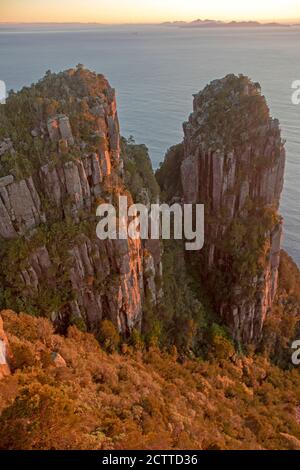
233	163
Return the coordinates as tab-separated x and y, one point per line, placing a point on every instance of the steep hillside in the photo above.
68	393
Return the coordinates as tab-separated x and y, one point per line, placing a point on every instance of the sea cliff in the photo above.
60	158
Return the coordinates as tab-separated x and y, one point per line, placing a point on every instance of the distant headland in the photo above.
217	23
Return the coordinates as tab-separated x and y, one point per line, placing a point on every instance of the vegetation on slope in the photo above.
56	290
138	398
283	326
139	176
168	174
231	110
26	112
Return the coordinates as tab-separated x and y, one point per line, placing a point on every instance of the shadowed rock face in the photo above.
233	163
76	130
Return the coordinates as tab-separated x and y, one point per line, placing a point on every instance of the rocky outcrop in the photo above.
91	279
59	128
233	163
4	353
6	145
20	206
57	360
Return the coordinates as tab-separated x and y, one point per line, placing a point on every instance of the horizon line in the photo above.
283	21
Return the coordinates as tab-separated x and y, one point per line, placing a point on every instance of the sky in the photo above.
146	11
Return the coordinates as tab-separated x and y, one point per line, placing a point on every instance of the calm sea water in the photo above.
157	69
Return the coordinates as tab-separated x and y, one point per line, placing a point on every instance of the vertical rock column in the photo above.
233	163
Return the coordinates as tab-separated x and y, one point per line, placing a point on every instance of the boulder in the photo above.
58	360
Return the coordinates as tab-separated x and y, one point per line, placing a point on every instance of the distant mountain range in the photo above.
216	23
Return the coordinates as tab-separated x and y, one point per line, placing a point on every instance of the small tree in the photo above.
109	336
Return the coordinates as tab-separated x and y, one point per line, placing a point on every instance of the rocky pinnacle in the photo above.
233	163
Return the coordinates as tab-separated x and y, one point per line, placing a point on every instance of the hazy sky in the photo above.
132	11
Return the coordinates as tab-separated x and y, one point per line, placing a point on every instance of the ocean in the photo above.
156	69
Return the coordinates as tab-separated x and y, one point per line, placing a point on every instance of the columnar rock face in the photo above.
53	263
233	163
